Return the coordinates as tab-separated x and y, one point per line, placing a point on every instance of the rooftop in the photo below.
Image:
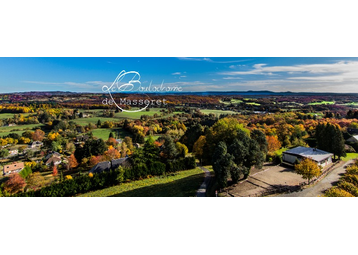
313	153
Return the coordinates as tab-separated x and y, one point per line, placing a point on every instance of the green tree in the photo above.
4	153
24	173
168	148
223	163
260	138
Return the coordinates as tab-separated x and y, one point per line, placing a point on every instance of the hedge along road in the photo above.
202	190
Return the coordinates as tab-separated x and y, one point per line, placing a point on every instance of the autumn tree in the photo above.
182	149
128	141
35	181
38	135
112	153
112	141
72	161
308	169
54	171
198	148
273	144
15	184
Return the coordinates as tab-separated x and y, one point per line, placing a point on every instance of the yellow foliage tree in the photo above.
308	169
198	147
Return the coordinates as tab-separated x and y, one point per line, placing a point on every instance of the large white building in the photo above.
322	158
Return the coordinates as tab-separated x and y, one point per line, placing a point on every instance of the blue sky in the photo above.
192	74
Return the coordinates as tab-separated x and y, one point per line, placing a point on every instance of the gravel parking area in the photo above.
265	179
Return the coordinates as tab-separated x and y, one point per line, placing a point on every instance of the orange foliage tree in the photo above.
273	144
38	135
15	184
72	161
54	171
112	153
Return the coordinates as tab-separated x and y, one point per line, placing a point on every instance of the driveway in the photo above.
318	190
267	178
202	190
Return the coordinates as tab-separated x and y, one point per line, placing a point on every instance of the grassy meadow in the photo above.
180	184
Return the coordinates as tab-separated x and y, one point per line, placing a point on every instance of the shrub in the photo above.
337	192
349	187
352	170
351	178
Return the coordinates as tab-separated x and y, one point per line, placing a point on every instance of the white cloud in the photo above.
176	73
89	85
213	61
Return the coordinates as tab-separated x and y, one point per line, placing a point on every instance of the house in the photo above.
54	160
13	168
36	144
13	152
101	167
322	158
82	138
353	139
110	165
53	154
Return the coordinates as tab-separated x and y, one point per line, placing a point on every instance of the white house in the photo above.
36	144
353	139
322	158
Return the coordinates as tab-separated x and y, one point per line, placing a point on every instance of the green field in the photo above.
93	120
20	129
180	184
11	115
322	103
253	103
103	133
350	156
351	104
218	112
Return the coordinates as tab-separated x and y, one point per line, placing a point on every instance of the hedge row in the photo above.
181	164
85	183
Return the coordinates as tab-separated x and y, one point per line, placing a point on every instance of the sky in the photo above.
191	74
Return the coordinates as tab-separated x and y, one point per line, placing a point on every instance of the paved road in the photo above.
202	190
320	187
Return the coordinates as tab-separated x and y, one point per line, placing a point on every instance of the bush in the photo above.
181	164
337	192
352	170
349	187
351	178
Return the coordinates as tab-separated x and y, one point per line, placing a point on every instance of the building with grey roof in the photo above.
110	165
322	158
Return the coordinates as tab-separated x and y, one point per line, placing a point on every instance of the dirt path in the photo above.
202	190
320	187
